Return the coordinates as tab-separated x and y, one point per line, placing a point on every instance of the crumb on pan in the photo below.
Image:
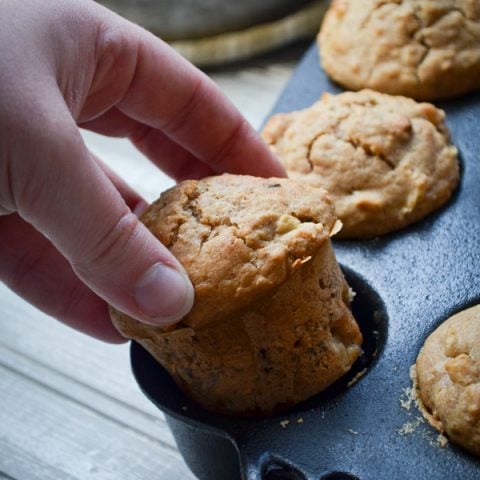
284	423
357	377
409	399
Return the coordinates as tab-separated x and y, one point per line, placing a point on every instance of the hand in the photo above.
69	241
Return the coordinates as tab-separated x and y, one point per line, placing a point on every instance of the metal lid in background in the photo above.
211	32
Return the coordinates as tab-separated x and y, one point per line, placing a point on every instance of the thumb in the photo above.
62	191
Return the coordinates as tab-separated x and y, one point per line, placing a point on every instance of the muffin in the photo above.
271	323
386	161
424	49
448	378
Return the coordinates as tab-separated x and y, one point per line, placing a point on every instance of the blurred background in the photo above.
214	32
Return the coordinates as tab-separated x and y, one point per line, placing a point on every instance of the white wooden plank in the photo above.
103	367
4	476
15	459
83	395
42	432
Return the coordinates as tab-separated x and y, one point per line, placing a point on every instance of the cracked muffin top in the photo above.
425	49
386	161
448	378
239	237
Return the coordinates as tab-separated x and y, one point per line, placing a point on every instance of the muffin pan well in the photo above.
407	283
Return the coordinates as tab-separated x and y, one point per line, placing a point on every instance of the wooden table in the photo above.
69	406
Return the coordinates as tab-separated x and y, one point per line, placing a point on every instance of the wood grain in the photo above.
73	442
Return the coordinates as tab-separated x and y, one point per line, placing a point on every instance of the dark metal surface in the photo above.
407	284
187	19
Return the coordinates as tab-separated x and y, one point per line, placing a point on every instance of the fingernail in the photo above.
163	294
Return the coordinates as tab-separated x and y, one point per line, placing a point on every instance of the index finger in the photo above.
168	93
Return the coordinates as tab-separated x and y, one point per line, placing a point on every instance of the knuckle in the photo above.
107	251
32	139
233	140
116	62
13	162
111	44
178	117
74	296
25	265
36	173
7	202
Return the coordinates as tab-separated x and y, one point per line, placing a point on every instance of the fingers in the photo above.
113	123
174	160
62	192
133	200
54	183
165	92
194	113
34	269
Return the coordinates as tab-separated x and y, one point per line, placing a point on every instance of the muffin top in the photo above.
386	161
239	237
425	49
448	378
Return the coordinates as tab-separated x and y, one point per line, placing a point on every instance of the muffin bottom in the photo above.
281	350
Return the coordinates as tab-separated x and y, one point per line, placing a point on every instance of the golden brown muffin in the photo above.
425	49
386	161
448	378
271	323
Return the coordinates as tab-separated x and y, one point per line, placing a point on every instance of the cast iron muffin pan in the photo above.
407	283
